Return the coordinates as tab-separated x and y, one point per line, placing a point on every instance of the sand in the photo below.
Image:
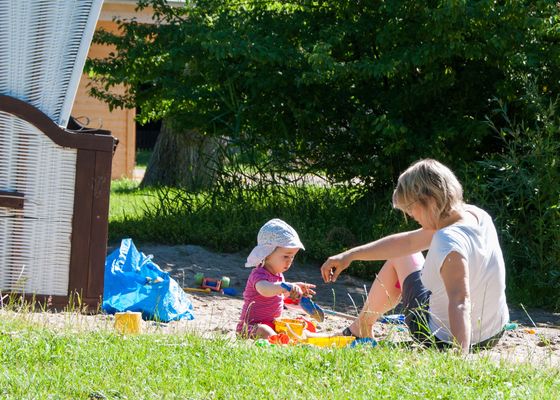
535	340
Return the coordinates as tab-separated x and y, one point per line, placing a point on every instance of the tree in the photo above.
183	158
345	88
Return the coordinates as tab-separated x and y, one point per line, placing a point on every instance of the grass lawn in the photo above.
39	362
127	202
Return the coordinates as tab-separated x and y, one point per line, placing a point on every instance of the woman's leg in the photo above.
385	294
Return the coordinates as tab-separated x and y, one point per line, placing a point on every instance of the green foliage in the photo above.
42	363
349	88
521	188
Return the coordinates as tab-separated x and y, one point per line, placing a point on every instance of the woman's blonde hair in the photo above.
429	178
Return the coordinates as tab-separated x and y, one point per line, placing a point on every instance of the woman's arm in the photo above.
396	245
455	274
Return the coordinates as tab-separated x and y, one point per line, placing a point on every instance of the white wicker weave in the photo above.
43	48
35	242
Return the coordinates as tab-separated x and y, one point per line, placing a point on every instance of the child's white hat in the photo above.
275	233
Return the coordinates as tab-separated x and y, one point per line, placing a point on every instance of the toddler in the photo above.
277	245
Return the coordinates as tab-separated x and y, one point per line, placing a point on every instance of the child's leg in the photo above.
262	331
256	331
385	293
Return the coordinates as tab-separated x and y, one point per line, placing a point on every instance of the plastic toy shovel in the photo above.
308	305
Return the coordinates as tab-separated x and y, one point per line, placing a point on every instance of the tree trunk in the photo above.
183	158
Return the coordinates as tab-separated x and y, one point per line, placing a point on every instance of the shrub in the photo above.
344	88
521	188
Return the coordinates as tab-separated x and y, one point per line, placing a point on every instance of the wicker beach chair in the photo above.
54	183
43	48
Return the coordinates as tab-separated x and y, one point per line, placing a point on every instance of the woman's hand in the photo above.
334	266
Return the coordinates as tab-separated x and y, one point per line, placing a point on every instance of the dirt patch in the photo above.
535	340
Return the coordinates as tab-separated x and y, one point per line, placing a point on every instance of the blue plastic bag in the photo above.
134	283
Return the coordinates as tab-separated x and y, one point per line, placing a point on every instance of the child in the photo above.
277	245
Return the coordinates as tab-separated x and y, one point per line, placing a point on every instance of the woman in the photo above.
456	295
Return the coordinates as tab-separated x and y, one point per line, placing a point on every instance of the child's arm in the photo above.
269	289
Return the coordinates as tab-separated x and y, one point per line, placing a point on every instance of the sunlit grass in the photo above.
127	201
327	219
40	362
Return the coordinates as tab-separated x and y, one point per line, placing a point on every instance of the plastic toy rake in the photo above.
308	305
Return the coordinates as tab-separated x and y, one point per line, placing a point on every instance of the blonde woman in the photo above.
455	296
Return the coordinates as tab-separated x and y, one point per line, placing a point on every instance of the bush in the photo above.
343	88
521	188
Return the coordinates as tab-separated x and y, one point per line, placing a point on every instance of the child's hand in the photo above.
297	290
296	293
306	288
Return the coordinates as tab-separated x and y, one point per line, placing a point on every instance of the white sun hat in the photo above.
275	233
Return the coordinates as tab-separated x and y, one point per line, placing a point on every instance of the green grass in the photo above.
142	158
169	215
40	362
327	219
127	202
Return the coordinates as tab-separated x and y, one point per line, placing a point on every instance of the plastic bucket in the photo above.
293	327
128	322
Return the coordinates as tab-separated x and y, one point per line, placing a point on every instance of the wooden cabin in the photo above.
119	122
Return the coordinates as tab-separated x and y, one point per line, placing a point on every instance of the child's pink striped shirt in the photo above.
258	309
